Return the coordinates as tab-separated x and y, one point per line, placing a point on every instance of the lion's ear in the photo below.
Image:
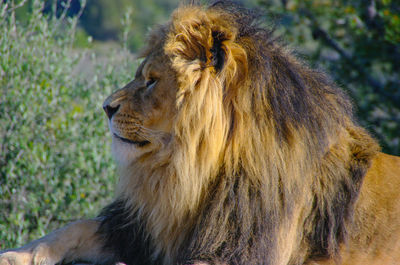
217	58
204	41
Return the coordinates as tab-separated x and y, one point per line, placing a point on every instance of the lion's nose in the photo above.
110	110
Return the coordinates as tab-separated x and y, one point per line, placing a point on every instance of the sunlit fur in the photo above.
264	161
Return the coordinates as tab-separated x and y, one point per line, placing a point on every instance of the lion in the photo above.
232	151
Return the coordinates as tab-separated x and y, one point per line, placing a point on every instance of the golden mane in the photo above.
262	145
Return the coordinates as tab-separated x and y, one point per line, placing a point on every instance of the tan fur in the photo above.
375	234
200	124
375	237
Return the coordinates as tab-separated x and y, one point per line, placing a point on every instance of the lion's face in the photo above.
140	114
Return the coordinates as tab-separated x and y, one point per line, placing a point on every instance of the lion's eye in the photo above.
151	83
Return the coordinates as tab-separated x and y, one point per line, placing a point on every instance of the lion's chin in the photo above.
129	141
126	151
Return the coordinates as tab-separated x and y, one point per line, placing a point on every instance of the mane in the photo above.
264	149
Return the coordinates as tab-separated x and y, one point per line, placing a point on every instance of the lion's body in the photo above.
374	238
232	151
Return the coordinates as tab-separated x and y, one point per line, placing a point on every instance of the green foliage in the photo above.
358	43
55	163
102	18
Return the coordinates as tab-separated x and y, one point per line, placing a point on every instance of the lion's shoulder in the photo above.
384	175
374	233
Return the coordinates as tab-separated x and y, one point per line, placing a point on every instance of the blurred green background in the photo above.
60	59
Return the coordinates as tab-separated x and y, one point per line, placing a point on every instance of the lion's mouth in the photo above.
138	143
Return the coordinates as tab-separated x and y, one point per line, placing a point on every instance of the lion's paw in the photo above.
40	255
15	258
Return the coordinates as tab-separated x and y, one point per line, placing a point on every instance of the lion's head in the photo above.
229	147
141	114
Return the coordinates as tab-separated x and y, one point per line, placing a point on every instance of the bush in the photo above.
358	43
55	163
